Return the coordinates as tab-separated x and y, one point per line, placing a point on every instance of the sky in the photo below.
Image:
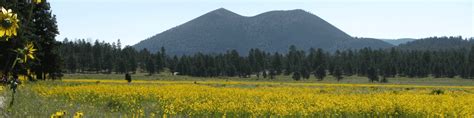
134	20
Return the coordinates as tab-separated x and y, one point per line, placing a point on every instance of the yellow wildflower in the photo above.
37	1
78	115
8	23
27	52
59	114
30	51
180	98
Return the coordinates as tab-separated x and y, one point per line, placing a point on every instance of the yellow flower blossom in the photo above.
8	23
59	114
78	115
30	51
27	52
36	1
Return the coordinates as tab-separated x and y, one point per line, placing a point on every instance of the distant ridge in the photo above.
438	43
398	41
274	31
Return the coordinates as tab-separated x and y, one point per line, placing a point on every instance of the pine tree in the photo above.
97	53
372	74
164	56
276	63
121	66
471	63
173	63
129	56
71	64
305	71
264	74
296	76
45	32
108	59
272	74
292	60
338	74
150	66
320	73
160	62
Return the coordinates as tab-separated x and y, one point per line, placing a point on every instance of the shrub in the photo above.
437	92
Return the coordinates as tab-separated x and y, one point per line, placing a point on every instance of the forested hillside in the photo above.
438	43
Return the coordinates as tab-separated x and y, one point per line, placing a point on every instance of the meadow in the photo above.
182	96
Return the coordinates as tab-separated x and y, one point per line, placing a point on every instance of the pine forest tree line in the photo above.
82	56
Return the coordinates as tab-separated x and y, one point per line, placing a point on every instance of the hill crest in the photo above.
274	31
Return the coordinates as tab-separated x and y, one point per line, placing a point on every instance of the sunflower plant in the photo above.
16	51
9	24
27	53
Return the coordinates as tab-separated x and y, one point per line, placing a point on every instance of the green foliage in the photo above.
384	80
338	74
437	43
372	75
437	92
367	62
296	76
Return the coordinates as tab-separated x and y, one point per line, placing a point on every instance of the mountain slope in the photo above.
398	41
221	30
358	43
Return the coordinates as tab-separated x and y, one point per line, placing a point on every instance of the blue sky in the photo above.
134	20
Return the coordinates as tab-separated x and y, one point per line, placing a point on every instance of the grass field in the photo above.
181	96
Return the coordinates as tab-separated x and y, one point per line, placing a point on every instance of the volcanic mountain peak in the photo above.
274	31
